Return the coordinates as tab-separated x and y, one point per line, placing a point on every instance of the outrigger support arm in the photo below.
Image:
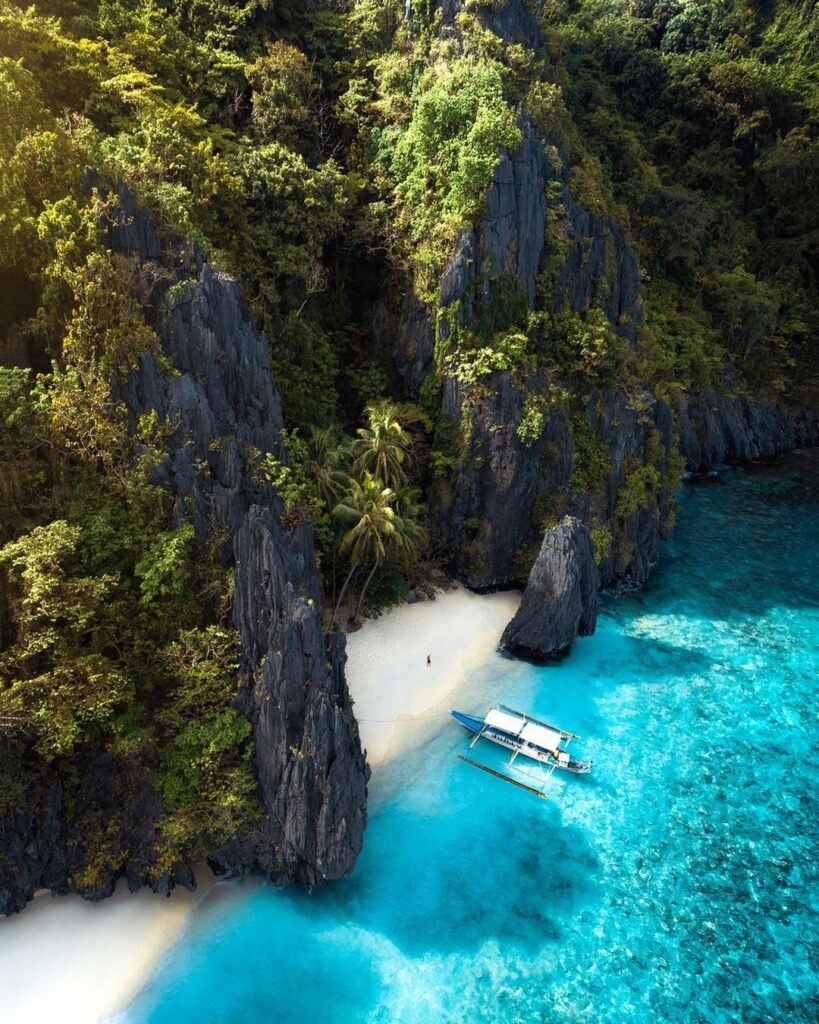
477	736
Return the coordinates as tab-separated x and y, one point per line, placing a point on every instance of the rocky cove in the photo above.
629	895
506	508
296	694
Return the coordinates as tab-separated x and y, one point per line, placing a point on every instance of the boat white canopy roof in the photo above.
503	720
523	729
540	736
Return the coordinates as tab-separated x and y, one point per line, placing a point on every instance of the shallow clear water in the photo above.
678	883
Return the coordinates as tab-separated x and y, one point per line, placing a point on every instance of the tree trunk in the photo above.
364	589
341	595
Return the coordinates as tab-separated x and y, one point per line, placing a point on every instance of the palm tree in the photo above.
383	447
376	529
414	535
322	464
403	544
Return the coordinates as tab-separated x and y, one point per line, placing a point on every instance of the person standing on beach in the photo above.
429	660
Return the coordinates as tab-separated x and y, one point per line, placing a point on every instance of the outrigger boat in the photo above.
526	737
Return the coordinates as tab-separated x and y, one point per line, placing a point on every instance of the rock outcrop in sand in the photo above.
560	600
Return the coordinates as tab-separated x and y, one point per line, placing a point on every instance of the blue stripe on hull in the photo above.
469	722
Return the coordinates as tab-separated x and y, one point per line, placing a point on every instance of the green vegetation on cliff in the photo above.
699	122
328	155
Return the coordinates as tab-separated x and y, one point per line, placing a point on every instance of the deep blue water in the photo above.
678	883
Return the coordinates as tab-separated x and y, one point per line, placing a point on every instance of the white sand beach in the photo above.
68	961
393	688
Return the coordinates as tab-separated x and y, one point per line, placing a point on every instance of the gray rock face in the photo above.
32	845
44	846
510	242
416	342
490	511
560	600
636	533
311	770
716	428
600	268
308	759
506	249
513	21
510	237
488	516
309	762
491	263
498	485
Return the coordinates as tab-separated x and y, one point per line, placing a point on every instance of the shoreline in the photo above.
387	673
89	959
92	959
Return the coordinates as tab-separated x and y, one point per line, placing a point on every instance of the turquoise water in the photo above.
678	883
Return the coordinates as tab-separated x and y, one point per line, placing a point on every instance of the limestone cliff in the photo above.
311	770
720	426
215	388
492	509
487	510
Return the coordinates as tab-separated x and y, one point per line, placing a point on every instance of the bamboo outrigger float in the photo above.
527	737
